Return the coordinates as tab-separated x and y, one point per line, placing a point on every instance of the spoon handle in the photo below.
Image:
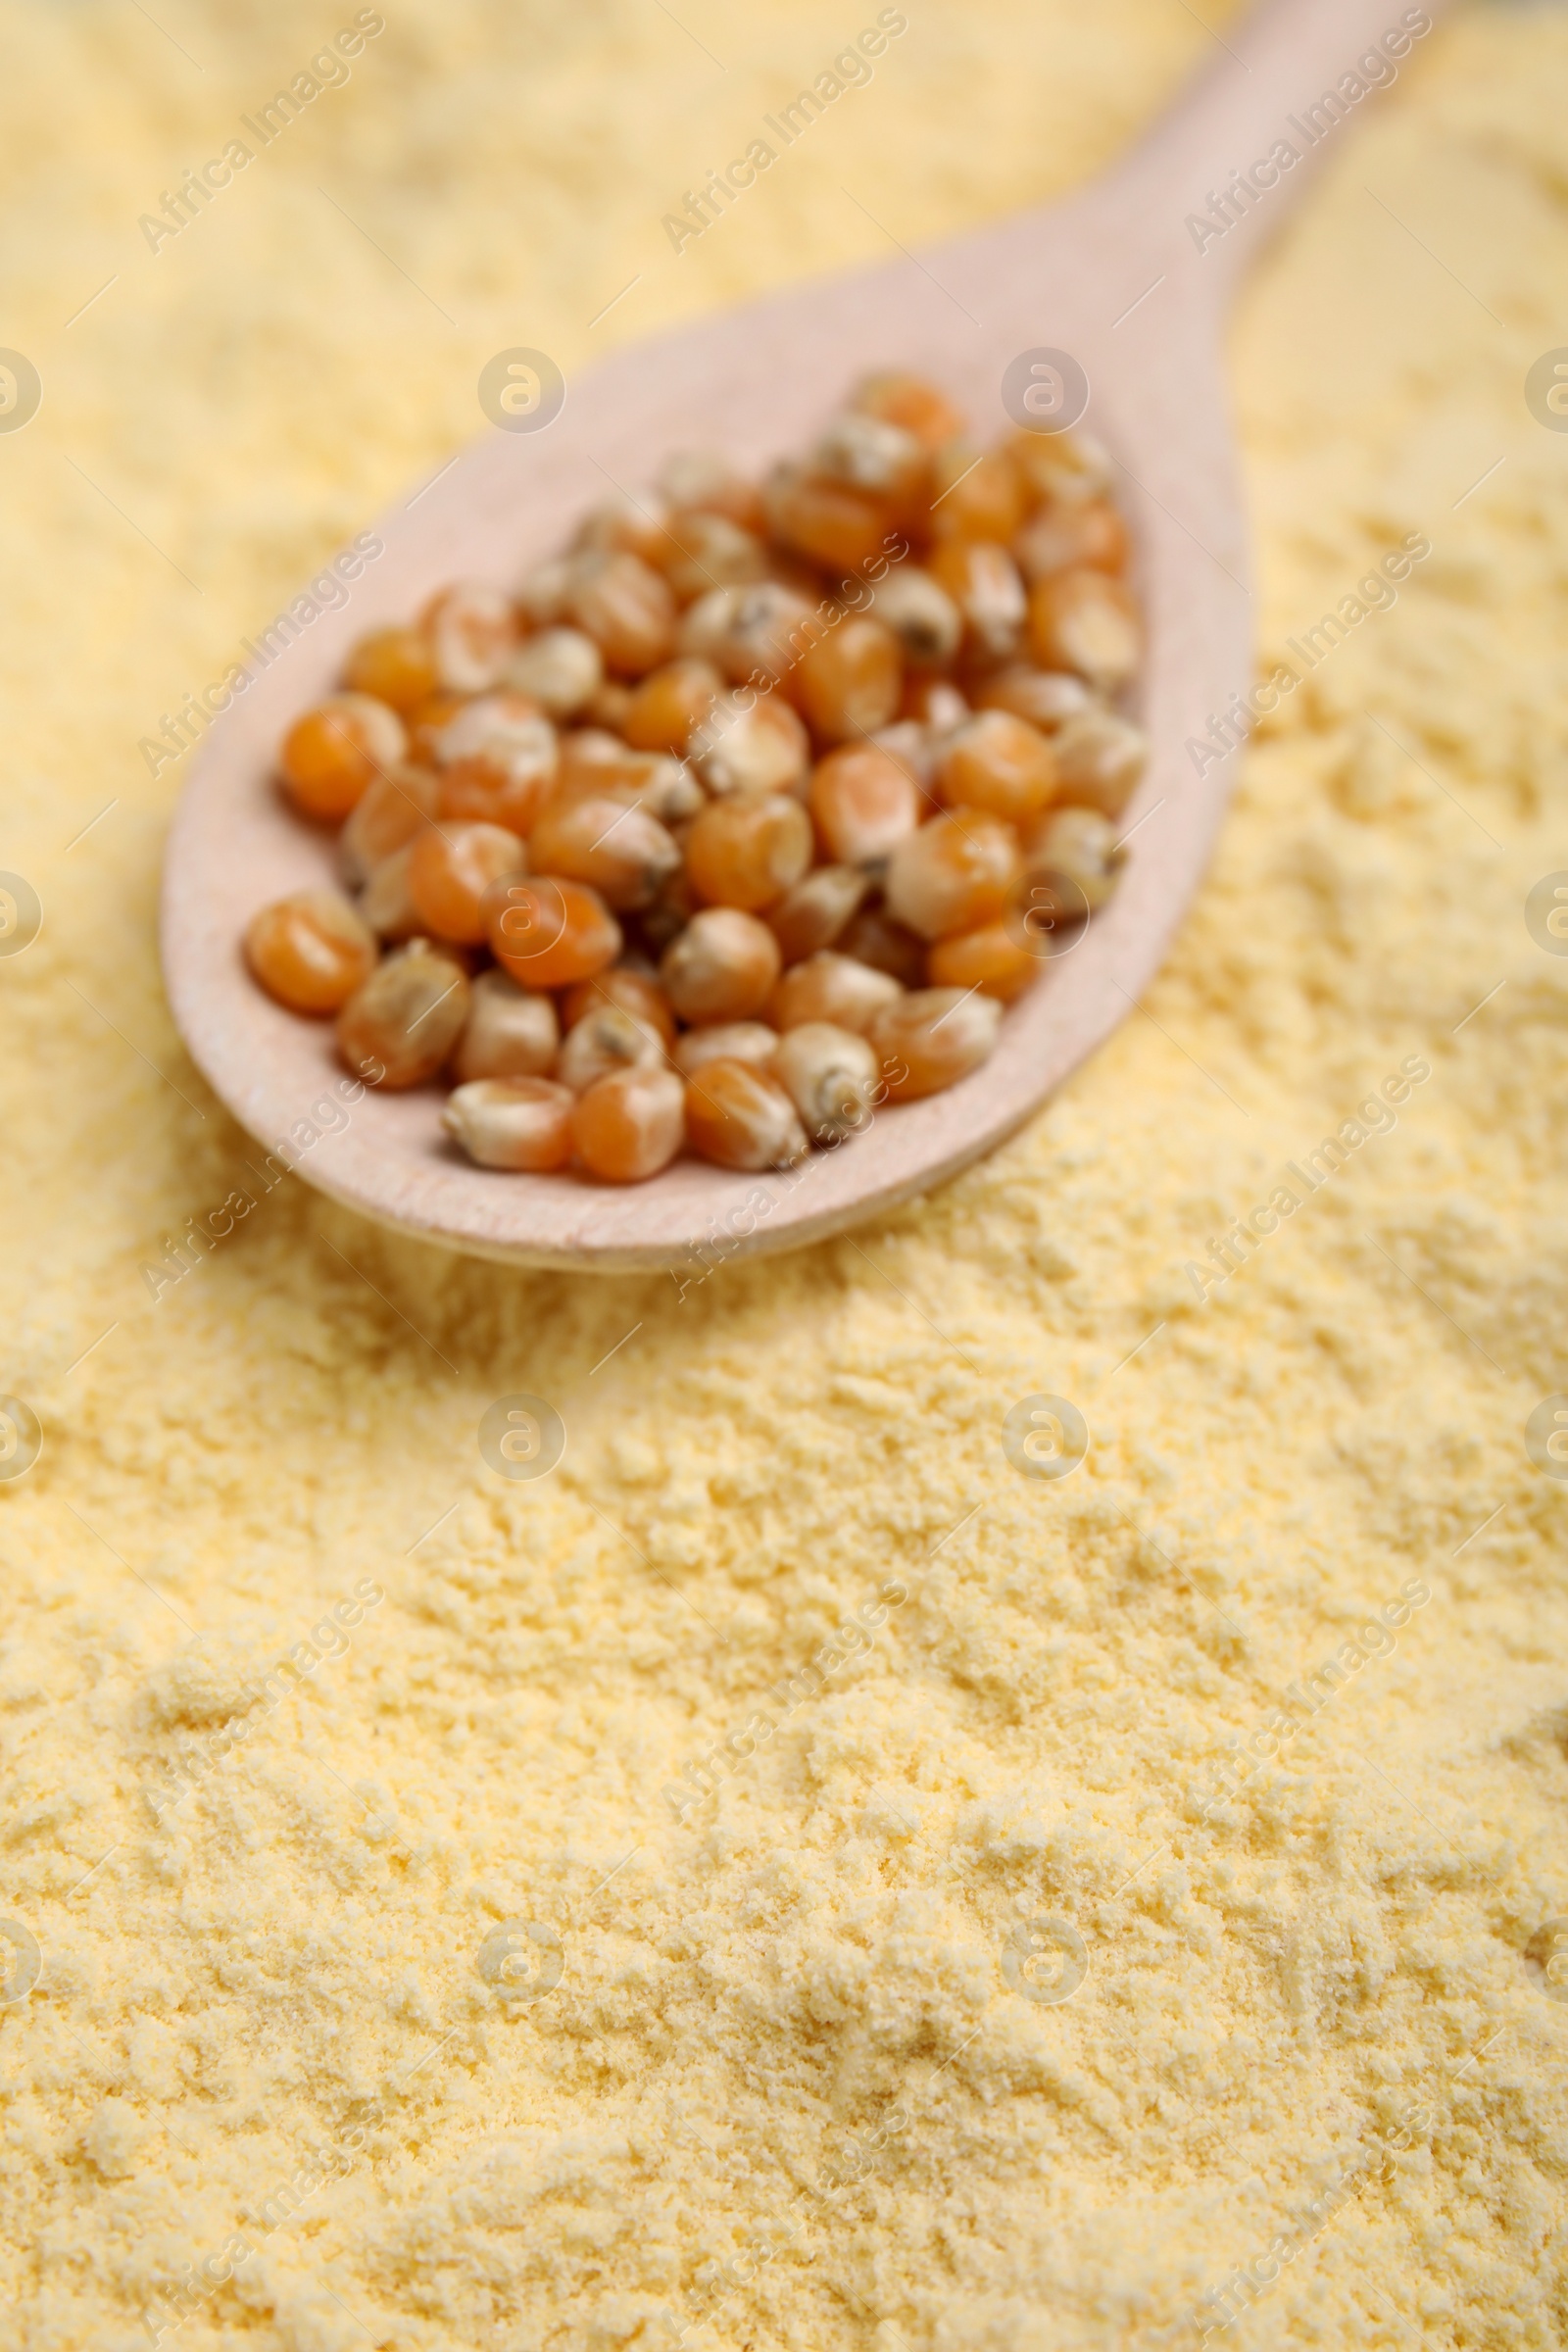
1218	174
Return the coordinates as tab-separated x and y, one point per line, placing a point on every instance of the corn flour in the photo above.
791	1877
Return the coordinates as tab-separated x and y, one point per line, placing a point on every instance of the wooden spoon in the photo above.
1117	278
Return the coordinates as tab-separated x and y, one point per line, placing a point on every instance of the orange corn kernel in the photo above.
835	526
512	1032
1087	621
392	806
1099	760
1060	469
1047	698
759	746
722	967
548	934
839	989
608	1038
989	959
882	460
814	913
396	665
635	992
497	756
730	1041
451	868
910	401
874	937
953	874
626	608
1090	534
864	801
629	1125
753	634
849	685
984	582
999	764
619	525
331	755
518	1123
406	1020
933	1038
670	702
472	632
701	551
604	839
974	496
310	951
747	851
739	1116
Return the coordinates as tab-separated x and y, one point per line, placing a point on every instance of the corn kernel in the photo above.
990	959
869	453
833	525
1090	534
739	1116
747	851
606	1039
863	801
1047	698
695	479
832	1077
1062	468
549	933
984	584
953	874
703	550
637	992
561	669
1001	764
974	496
872	937
751	748
628	1126
386	903
396	667
516	1123
670	702
626	608
310	951
814	913
606	839
451	868
472	631
730	1041
751	634
1099	760
932	1038
849	684
512	1032
619	525
921	614
406	1019
330	755
1074	854
838	990
1085	621
722	967
391	809
910	401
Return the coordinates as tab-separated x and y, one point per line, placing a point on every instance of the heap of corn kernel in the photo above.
748	812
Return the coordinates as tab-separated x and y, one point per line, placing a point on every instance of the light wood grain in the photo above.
1115	278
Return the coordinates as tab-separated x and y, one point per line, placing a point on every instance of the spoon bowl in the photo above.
1116	279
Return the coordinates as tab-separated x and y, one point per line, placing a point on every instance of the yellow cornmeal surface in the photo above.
260	2017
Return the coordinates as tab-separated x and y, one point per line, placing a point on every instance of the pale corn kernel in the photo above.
908	400
701	551
814	913
1061	467
331	754
608	706
1099	761
849	683
1075	849
834	526
831	988
697	478
451	868
992	958
921	614
310	951
739	1116
931	1039
722	967
406	1020
999	764
731	1041
521	1123
916	750
395	667
759	747
551	933
935	705
670	702
986	585
388	813
508	726
748	849
872	937
626	608
1087	621
561	669
471	630
628	1126
385	902
606	1039
606	839
512	1032
622	525
750	632
541	600
832	1076
1090	534
953	874
869	453
974	496
1047	698
863	801
636	992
